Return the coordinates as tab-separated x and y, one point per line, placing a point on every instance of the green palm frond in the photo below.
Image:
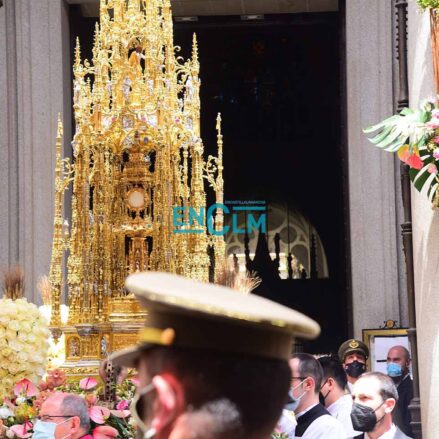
408	127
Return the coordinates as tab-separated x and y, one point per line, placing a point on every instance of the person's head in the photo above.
306	379
216	420
398	362
64	415
334	379
209	359
200	389
375	396
353	354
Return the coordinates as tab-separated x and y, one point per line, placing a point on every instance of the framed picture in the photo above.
379	341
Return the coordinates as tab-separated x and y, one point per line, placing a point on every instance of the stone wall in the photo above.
425	236
377	265
34	88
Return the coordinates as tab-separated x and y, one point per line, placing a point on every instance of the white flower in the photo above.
20	400
14	325
24	343
9	434
5	412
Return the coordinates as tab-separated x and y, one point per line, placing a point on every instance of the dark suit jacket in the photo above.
402	416
398	435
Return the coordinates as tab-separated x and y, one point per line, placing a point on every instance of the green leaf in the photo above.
382	134
420	178
393	137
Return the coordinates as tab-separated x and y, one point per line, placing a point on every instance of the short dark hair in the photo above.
74	404
387	386
332	368
310	367
257	387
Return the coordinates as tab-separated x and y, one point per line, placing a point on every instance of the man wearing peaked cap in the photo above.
212	362
353	355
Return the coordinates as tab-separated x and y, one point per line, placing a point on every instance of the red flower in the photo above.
99	414
43	385
123	405
104	432
414	161
56	377
88	383
121	413
25	387
22	430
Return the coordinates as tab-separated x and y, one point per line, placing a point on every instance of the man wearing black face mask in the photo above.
353	354
334	395
375	398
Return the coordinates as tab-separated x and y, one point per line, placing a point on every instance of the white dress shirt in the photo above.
287	424
389	434
341	410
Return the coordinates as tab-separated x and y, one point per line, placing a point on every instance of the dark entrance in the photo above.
277	84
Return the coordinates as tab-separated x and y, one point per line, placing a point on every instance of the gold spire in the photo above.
195	63
77	55
56	276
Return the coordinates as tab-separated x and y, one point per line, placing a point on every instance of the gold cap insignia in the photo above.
354	344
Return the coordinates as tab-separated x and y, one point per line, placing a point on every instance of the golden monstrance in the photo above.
137	154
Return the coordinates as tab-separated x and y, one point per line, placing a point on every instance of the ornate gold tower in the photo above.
137	155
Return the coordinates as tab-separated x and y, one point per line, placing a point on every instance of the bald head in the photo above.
69	412
400	351
401	356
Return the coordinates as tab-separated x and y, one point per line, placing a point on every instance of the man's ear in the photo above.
389	405
75	425
169	403
309	383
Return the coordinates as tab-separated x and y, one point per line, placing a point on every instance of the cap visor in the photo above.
126	357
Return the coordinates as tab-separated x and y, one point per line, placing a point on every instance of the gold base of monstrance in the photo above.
87	345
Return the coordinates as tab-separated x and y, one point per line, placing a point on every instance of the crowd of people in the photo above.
216	365
334	396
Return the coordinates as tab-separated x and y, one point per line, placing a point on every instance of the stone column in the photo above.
425	235
34	88
374	228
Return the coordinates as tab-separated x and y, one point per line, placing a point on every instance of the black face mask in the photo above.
322	397
363	417
355	369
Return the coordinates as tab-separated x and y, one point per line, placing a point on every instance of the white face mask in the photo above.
46	430
146	433
294	402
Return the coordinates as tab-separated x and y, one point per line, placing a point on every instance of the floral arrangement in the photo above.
24	335
19	411
414	136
